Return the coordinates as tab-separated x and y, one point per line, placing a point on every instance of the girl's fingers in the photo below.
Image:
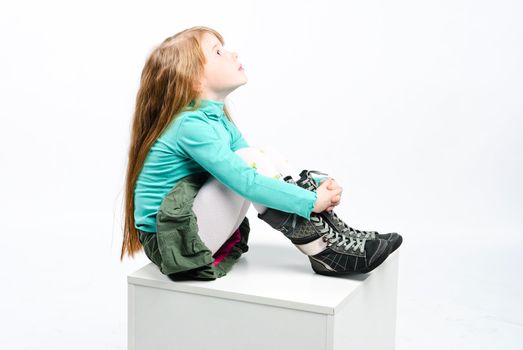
333	185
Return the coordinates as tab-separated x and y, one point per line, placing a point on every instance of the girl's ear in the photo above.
197	86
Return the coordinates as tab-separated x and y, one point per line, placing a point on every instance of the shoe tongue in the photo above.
304	176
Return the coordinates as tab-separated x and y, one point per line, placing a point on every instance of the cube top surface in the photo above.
270	274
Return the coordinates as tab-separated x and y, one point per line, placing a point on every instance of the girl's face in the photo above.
222	72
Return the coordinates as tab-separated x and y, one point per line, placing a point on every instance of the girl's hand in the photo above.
327	198
333	185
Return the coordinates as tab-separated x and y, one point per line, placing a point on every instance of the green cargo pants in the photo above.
176	247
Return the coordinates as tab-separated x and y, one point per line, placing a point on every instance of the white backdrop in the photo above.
414	107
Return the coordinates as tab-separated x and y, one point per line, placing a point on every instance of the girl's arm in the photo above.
197	138
240	142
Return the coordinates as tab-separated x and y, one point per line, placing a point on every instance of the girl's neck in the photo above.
207	95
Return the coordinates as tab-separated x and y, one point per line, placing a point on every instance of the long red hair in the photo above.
168	84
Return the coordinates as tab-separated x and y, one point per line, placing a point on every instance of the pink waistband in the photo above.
226	248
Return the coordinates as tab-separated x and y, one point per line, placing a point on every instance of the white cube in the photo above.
271	299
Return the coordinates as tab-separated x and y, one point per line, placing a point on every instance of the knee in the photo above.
265	151
250	153
272	152
252	156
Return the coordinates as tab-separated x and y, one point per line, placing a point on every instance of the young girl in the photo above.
182	127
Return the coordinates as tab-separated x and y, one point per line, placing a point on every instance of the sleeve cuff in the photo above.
311	205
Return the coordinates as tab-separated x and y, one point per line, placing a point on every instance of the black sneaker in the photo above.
307	181
330	252
346	255
295	227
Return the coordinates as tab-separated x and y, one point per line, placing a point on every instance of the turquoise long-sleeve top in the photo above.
204	140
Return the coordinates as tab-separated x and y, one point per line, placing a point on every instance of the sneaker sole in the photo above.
317	265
